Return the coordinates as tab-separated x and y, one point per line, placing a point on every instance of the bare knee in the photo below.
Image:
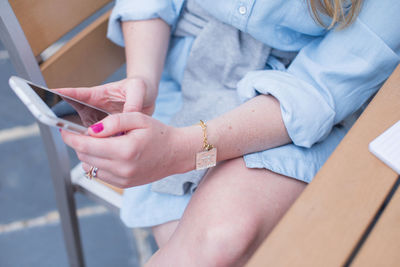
229	243
230	214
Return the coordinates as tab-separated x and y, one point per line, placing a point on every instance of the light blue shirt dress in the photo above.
333	75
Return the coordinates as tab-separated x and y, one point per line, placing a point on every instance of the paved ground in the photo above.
30	232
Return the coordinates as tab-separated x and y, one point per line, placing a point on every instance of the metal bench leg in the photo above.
64	193
26	66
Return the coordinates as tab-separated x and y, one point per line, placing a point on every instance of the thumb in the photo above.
118	124
134	98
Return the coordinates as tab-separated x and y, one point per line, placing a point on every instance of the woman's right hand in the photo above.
147	151
127	95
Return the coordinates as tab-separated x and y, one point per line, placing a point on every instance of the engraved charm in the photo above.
206	159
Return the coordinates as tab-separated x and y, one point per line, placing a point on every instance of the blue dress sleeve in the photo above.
334	75
125	10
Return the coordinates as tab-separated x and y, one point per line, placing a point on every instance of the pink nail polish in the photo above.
98	127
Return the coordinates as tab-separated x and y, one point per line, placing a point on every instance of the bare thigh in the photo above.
163	232
233	205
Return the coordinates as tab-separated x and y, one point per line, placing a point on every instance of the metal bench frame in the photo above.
65	182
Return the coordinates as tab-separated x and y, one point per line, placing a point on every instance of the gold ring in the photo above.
93	172
89	174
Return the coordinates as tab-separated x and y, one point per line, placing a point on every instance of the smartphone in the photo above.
41	103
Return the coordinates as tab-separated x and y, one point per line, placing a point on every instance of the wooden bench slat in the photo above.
45	21
114	188
325	224
85	60
382	247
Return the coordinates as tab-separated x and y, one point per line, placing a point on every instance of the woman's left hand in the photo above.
147	151
127	95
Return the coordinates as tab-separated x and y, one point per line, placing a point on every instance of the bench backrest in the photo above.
85	60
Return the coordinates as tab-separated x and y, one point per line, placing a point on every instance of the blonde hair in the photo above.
335	10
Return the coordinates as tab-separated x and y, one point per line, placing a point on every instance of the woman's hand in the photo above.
147	151
127	95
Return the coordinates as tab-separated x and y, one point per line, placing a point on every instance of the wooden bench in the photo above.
350	213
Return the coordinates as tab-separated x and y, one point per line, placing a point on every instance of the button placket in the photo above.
241	14
242	10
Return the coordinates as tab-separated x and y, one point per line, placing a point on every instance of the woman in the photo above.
301	70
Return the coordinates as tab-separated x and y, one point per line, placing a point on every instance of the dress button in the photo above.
242	10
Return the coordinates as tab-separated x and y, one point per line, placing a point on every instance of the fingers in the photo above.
118	168
95	95
107	177
103	163
117	124
130	91
82	93
85	92
107	148
112	126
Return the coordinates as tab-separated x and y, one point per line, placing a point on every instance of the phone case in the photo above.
39	109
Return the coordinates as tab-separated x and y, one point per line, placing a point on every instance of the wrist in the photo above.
187	142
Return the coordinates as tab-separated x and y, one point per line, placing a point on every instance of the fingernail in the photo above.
98	127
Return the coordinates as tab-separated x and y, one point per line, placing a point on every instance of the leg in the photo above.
232	211
162	233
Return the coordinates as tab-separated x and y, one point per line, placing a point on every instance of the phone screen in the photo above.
68	108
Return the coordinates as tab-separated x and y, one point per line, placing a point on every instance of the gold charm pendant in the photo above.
206	159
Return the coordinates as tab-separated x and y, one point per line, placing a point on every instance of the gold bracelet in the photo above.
206	145
208	157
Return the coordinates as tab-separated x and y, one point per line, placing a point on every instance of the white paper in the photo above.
387	147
